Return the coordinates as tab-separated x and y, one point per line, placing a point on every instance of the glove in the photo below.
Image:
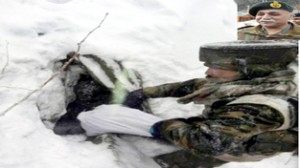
135	99
156	129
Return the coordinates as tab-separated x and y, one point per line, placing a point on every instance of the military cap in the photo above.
255	58
269	5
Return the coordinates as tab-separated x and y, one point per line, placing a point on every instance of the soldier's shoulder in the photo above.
297	28
246	28
247	25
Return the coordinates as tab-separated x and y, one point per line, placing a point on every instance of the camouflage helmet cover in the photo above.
250	58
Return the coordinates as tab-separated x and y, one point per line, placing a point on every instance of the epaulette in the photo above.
244	27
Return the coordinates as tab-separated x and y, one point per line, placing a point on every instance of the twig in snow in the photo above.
12	87
290	158
82	41
75	54
7	59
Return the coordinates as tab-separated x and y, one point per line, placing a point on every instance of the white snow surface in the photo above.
158	38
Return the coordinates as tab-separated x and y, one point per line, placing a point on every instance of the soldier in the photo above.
249	98
273	18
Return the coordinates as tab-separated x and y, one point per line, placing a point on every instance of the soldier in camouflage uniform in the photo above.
249	98
273	18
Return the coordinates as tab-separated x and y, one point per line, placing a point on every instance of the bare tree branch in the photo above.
100	24
13	87
74	56
7	58
289	159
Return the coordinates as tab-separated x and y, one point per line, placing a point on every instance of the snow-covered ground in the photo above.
158	38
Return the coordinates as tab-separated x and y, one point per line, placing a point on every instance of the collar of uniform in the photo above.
293	33
295	29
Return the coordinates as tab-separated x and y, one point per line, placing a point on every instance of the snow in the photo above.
159	39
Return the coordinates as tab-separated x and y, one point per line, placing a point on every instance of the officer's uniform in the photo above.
292	31
258	33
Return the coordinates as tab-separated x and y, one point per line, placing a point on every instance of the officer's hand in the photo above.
135	99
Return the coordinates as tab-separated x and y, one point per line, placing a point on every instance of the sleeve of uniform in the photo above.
177	89
224	129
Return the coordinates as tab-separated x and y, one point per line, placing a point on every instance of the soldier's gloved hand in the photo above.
157	128
135	99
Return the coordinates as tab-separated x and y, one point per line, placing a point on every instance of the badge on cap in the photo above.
275	4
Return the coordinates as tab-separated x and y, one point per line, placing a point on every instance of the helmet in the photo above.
251	58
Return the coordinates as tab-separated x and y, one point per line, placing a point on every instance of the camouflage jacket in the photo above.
237	115
257	33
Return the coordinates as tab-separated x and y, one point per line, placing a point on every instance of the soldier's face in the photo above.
221	75
273	18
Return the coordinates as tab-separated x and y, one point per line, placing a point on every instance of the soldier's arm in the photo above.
223	131
135	98
177	89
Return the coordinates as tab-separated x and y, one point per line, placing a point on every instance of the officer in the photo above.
273	18
249	98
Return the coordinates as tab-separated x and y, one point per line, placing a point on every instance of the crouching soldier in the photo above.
250	104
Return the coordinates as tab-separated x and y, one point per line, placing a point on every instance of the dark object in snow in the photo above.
135	99
68	126
89	94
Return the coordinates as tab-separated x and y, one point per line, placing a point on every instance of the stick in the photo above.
289	159
61	69
12	87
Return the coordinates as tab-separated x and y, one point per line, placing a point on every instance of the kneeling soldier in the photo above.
250	102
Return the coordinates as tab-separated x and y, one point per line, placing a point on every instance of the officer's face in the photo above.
273	18
221	75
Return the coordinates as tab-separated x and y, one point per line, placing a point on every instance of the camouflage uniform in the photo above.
227	115
258	33
252	116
